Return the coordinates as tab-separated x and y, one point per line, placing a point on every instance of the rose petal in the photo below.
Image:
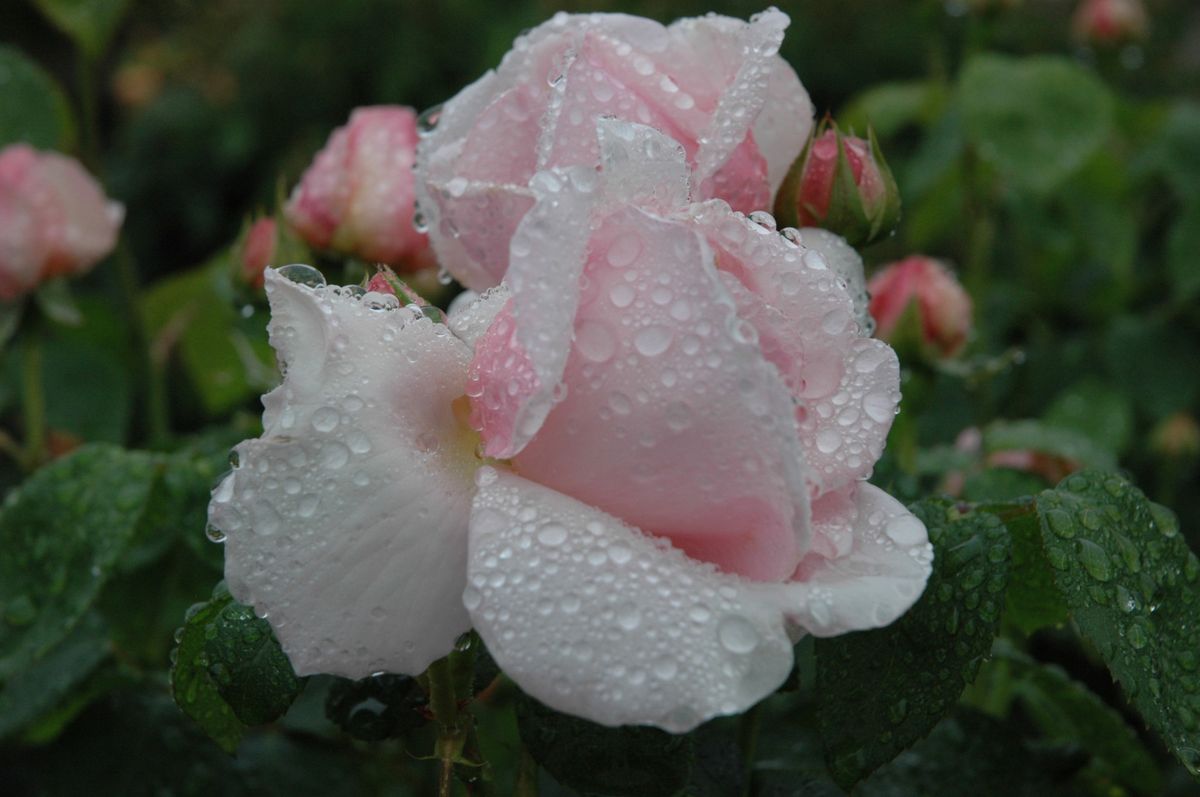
876	582
804	317
471	314
490	212
784	122
687	430
642	166
847	263
346	521
596	619
546	260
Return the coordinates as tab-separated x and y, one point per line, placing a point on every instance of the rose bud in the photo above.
257	250
939	304
357	196
1109	21
841	183
54	219
1177	437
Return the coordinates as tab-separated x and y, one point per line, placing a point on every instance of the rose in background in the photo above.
714	84
54	219
923	292
840	183
730	408
1107	22
357	196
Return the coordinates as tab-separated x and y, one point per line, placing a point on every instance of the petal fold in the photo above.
597	619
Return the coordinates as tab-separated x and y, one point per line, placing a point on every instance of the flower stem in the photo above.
527	772
747	738
33	399
450	733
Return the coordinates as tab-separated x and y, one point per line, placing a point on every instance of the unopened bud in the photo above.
841	183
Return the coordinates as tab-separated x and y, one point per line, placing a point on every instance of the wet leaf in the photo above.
879	691
1131	585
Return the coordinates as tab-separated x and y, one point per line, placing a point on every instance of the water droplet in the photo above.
624	251
737	635
325	419
427	122
905	530
653	340
472	598
302	274
1094	560
214	534
552	534
595	341
665	667
629	617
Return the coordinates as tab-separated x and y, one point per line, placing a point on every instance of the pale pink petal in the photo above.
477	221
519	369
688	431
871	586
640	166
315	207
784	122
847	385
745	96
346	521
847	263
597	619
22	251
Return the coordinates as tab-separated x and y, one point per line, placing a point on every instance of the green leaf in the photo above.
41	688
968	753
191	316
1183	254
1033	600
1143	358
889	107
1130	583
1175	152
1036	119
1096	411
1067	711
1030	435
90	23
229	671
33	108
627	761
62	533
879	691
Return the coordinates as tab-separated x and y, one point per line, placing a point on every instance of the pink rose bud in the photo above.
1109	21
54	219
939	304
841	183
1177	437
357	196
257	250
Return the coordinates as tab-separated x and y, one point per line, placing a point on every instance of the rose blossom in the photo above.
942	307
357	196
676	411
54	219
714	84
1109	21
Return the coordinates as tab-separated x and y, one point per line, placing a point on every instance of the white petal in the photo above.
346	521
783	125
471	313
642	166
596	619
882	576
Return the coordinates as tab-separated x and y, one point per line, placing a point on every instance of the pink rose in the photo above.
676	411
942	307
357	196
714	84
1109	21
257	250
54	219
